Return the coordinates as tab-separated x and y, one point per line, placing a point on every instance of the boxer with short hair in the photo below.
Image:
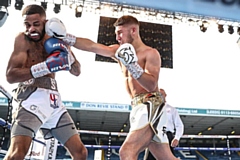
140	65
35	59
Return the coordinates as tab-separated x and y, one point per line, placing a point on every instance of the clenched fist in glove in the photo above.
55	28
126	54
58	59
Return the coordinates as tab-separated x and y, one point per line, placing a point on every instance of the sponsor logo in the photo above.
33	107
126	54
68	104
28	82
53	84
51	149
54	101
36	110
57	68
61	45
132	119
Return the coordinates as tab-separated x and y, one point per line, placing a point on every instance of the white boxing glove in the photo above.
127	55
54	27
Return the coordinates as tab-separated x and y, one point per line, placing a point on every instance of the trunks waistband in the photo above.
151	96
41	82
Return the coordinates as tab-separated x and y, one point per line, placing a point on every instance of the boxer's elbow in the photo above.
10	79
151	86
75	68
75	72
148	82
17	75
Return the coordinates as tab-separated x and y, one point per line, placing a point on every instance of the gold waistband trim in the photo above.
155	97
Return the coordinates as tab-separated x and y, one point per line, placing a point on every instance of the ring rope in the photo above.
9	114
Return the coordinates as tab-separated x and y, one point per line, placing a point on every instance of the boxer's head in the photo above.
34	21
126	29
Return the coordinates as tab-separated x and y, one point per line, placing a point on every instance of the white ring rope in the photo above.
5	92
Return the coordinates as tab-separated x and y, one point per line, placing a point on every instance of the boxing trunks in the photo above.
148	109
39	106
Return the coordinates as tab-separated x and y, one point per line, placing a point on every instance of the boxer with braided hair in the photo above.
35	59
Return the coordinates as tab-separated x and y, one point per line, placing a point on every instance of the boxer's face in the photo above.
34	26
123	34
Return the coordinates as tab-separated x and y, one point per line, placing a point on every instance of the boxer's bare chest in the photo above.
35	53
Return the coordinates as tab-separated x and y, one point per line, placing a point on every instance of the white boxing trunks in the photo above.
148	109
39	106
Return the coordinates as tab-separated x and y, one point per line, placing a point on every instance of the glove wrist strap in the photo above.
71	59
39	70
135	70
70	39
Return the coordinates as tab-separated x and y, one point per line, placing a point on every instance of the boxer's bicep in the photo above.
19	54
16	60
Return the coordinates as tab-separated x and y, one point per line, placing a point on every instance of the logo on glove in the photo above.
57	68
126	55
61	45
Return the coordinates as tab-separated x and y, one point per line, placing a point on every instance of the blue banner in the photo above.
3	101
105	106
208	112
127	108
224	9
72	104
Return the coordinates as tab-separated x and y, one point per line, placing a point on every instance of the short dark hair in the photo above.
126	19
34	9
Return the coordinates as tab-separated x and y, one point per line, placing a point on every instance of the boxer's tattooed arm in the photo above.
75	68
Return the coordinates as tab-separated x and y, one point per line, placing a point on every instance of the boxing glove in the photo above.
55	28
57	60
126	54
54	44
